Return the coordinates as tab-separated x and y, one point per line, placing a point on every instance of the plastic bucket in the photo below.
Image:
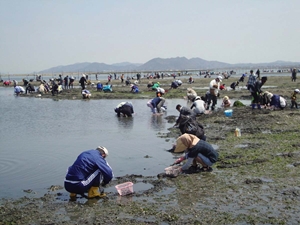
228	112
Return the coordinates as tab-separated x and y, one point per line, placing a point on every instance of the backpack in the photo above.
191	126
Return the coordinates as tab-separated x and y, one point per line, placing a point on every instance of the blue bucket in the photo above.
228	112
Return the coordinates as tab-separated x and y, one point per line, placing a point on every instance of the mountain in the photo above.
160	64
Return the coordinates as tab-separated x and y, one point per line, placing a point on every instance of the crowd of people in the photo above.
91	171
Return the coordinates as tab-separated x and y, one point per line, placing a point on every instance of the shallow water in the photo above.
40	138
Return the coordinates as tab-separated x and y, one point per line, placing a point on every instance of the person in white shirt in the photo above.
198	106
214	87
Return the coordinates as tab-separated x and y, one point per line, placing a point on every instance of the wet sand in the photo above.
255	180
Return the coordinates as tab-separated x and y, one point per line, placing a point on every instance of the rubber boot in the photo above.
93	192
102	194
258	106
253	106
73	196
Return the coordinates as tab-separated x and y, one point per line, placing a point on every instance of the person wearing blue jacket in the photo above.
88	172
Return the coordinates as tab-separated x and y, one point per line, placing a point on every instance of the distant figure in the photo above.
122	78
124	108
6	83
15	83
71	82
294	99
29	88
19	90
276	101
242	78
82	82
175	84
134	88
60	80
251	80
191	80
258	74
149	85
255	90
66	82
234	85
214	87
294	75
138	77
107	87
222	87
86	94
54	88
155	86
226	102
191	94
41	89
99	86
160	92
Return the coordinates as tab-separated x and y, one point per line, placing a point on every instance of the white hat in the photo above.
101	148
220	78
83	75
297	90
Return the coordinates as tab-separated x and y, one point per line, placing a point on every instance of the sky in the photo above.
39	34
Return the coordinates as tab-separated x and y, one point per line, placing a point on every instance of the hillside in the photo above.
160	64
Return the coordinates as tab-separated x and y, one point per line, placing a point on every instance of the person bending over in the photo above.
124	108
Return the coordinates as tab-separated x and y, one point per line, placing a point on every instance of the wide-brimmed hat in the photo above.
180	147
297	90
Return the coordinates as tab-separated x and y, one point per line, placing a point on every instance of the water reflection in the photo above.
156	122
125	122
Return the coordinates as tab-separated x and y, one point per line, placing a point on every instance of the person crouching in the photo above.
88	172
197	151
86	94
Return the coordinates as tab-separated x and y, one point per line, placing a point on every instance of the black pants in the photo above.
294	103
211	99
256	97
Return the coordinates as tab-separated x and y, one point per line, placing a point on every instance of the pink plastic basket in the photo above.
125	188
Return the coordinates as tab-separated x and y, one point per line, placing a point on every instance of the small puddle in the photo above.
241	146
266	180
266	132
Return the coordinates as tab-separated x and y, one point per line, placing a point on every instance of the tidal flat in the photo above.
255	181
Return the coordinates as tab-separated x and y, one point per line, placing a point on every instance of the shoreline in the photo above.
278	85
255	176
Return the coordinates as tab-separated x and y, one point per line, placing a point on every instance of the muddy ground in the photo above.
255	181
